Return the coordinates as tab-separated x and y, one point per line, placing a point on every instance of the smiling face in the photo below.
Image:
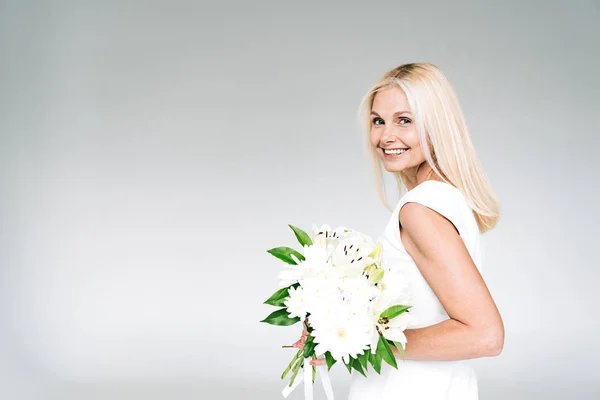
393	128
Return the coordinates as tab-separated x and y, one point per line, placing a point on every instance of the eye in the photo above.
404	119
376	120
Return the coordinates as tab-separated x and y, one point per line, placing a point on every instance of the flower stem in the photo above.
295	370
291	363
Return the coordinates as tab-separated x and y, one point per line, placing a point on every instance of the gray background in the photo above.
151	152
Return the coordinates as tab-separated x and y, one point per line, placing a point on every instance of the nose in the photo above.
387	136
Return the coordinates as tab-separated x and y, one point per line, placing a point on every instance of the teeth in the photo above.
395	151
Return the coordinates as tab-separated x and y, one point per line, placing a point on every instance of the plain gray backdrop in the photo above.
151	152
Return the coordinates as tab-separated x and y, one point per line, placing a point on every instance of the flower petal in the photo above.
396	335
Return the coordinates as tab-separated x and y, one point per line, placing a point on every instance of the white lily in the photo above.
326	237
395	287
377	253
392	329
352	255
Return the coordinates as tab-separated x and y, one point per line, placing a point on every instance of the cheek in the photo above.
374	138
418	154
412	139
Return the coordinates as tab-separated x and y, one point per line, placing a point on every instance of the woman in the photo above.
417	131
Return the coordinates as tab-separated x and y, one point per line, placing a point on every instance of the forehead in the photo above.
390	100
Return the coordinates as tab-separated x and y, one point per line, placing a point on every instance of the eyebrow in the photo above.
395	114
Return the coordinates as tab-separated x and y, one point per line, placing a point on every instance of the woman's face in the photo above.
393	128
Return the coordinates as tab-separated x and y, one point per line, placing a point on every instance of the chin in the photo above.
387	168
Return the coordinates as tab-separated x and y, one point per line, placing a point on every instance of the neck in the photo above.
423	173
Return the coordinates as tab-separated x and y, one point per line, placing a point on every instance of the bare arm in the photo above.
475	328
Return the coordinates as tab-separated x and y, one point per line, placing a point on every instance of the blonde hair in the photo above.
440	123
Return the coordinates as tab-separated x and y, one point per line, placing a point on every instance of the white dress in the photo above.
418	379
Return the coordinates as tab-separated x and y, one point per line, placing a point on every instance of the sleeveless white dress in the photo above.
417	379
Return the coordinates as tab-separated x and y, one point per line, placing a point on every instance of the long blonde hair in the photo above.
440	123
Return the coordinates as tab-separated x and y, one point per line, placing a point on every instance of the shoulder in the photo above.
432	208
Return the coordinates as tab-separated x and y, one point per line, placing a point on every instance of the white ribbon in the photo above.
308	384
326	381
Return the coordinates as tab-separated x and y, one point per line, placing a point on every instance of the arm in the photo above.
475	328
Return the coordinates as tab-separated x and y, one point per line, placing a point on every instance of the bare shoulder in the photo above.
426	227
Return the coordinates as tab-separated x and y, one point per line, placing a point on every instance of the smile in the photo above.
394	151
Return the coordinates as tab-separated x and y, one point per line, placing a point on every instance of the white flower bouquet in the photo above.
353	307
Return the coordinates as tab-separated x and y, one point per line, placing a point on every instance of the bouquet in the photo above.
354	308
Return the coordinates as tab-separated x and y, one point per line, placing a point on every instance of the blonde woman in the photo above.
416	131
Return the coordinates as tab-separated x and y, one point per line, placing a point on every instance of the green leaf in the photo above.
281	318
330	360
357	366
385	351
302	236
400	349
393	311
349	365
278	298
309	346
283	253
375	360
364	359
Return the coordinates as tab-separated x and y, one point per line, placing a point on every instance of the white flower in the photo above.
351	255
322	287
358	290
377	253
366	239
325	307
297	303
392	329
395	290
344	333
317	230
395	287
396	327
315	261
330	238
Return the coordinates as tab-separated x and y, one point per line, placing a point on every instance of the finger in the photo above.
318	361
